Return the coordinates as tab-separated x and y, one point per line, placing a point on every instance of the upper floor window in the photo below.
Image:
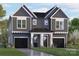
45	22
59	24
21	23
34	21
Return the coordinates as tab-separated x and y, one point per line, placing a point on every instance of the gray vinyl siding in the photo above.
40	24
15	25
21	12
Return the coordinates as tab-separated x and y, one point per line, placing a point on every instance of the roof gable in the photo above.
21	12
60	14
24	11
54	12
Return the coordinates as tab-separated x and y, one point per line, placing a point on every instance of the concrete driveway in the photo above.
30	52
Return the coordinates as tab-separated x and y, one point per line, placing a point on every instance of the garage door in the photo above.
21	42
58	42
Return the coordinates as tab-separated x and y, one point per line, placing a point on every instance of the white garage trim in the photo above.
59	37
20	37
61	32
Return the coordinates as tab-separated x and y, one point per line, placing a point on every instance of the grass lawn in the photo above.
59	51
10	52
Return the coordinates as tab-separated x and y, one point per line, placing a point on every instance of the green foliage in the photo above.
74	25
10	52
4	34
2	11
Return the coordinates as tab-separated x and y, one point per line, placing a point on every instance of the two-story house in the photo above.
29	29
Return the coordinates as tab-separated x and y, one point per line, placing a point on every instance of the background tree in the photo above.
2	11
73	28
4	34
3	27
74	25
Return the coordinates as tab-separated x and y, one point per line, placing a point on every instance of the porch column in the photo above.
51	40
41	40
32	40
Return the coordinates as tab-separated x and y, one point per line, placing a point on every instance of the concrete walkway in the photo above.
30	52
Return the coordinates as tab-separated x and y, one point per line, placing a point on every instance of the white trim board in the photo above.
42	32
21	16
61	32
59	37
19	32
20	37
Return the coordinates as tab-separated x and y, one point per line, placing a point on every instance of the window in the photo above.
45	22
21	23
59	24
34	22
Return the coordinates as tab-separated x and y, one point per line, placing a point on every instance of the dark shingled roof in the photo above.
40	14
50	10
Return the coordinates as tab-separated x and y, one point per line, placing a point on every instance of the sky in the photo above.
70	9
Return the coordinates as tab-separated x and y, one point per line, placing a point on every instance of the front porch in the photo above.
41	39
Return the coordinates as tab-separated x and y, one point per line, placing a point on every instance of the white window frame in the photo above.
60	20
34	22
22	18
46	22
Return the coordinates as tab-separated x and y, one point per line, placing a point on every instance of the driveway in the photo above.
30	52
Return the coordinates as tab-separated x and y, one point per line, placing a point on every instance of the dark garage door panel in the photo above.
58	42
21	42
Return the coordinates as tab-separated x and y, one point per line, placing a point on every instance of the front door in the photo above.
36	40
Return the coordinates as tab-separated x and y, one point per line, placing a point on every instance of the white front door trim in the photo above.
41	38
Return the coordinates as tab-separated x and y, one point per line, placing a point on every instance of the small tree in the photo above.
3	27
4	34
73	25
